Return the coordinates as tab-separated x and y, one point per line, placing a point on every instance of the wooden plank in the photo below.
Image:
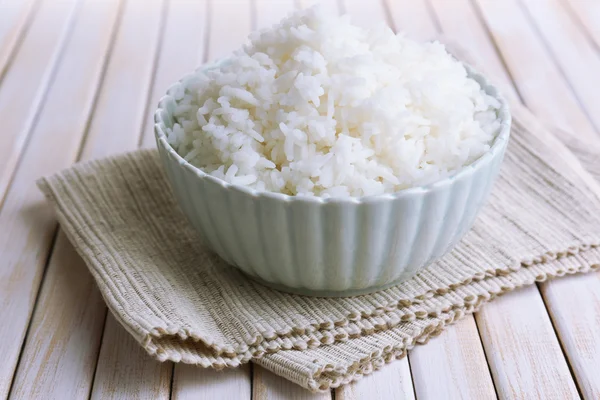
60	354
268	386
469	32
15	15
578	58
574	302
121	107
230	27
390	382
452	365
59	239
455	360
116	108
557	300
574	305
125	371
413	18
459	21
26	80
587	13
191	383
537	77
181	51
27	225
188	20
522	349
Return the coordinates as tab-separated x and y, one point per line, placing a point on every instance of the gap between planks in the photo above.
515	59
27	226
455	360
27	76
15	19
134	39
587	14
123	368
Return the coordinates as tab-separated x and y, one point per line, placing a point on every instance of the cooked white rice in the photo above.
316	106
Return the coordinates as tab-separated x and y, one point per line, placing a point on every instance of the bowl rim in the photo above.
496	149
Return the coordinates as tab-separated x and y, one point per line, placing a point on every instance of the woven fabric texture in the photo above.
184	304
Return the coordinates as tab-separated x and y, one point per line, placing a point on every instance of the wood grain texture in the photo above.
472	39
60	354
577	58
587	14
27	224
14	18
459	21
574	305
191	383
230	25
574	302
121	106
537	77
391	382
25	82
558	295
455	360
453	365
523	352
125	371
228	18
181	51
268	386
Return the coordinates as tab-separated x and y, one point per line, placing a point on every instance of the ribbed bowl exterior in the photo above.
331	247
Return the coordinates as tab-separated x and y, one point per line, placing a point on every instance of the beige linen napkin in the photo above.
184	304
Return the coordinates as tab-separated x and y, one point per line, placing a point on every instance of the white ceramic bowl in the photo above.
332	247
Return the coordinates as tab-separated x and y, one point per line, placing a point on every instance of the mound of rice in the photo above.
316	106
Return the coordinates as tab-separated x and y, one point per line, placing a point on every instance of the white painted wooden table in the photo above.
79	80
